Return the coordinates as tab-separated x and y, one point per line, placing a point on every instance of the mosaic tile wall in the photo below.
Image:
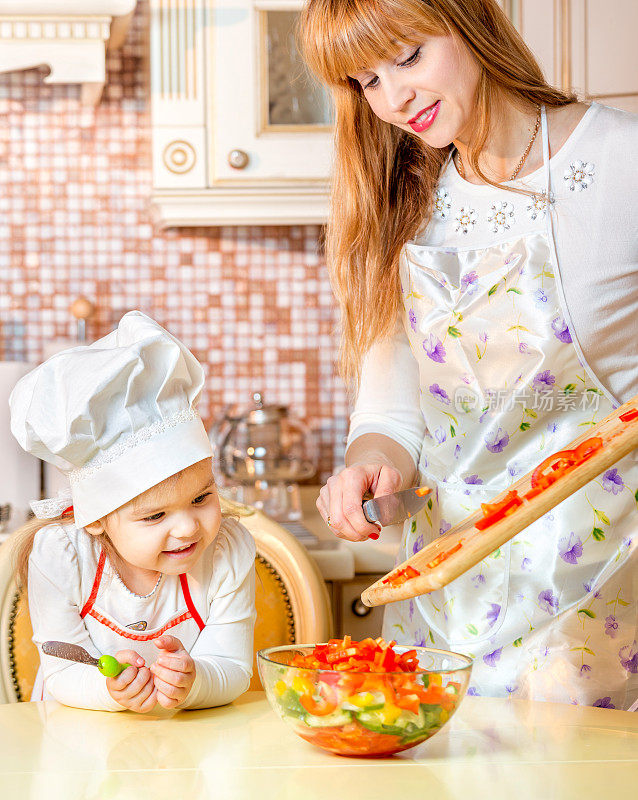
253	304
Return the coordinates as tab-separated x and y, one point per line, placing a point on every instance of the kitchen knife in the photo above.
107	665
391	509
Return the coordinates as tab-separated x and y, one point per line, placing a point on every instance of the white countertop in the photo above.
492	748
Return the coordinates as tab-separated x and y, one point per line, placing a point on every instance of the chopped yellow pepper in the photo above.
361	700
390	713
302	685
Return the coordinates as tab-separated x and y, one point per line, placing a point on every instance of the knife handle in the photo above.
110	667
369	513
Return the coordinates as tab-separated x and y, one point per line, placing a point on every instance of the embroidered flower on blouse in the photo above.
501	217
466	220
442	204
537	207
579	175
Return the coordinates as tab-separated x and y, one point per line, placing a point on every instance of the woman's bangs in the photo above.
355	36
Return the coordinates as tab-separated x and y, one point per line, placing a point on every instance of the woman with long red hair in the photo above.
482	249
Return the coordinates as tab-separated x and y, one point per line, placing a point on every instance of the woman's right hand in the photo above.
340	500
134	687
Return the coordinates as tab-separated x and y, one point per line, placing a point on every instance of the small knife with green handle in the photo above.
109	666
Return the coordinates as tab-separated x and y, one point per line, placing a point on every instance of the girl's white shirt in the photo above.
62	569
595	180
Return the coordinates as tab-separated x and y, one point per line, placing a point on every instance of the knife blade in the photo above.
72	652
392	509
107	665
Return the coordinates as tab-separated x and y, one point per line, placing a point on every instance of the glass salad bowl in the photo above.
411	695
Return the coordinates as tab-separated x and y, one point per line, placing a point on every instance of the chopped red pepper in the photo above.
442	556
493	512
630	415
369	655
401	576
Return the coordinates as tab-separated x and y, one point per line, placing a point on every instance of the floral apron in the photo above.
551	615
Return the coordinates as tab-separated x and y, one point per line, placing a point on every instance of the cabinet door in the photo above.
269	119
604	60
178	93
585	44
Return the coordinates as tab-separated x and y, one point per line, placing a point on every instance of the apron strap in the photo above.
545	140
96	585
189	601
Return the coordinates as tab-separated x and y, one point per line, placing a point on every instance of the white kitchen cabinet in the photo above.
586	44
241	133
69	36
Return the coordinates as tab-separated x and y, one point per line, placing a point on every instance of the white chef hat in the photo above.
117	416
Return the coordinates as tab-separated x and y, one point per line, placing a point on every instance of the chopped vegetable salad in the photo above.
363	698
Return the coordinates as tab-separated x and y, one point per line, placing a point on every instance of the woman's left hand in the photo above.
173	672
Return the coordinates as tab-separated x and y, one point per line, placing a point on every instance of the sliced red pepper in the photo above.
588	448
629	415
559	463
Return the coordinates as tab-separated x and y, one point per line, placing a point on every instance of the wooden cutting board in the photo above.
619	438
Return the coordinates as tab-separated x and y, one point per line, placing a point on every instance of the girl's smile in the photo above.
166	529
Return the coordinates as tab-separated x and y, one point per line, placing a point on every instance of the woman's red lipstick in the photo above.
425	118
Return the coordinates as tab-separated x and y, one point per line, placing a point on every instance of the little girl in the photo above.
137	561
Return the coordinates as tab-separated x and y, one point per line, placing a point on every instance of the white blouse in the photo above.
62	569
595	204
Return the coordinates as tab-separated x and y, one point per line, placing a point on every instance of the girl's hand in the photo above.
133	688
340	500
173	672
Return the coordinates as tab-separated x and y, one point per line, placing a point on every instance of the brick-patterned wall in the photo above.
253	303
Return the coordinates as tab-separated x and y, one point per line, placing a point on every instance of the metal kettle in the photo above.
262	451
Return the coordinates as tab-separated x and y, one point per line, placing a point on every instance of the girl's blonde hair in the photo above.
384	178
25	536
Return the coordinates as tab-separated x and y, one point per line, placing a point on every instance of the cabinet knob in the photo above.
238	159
358	609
